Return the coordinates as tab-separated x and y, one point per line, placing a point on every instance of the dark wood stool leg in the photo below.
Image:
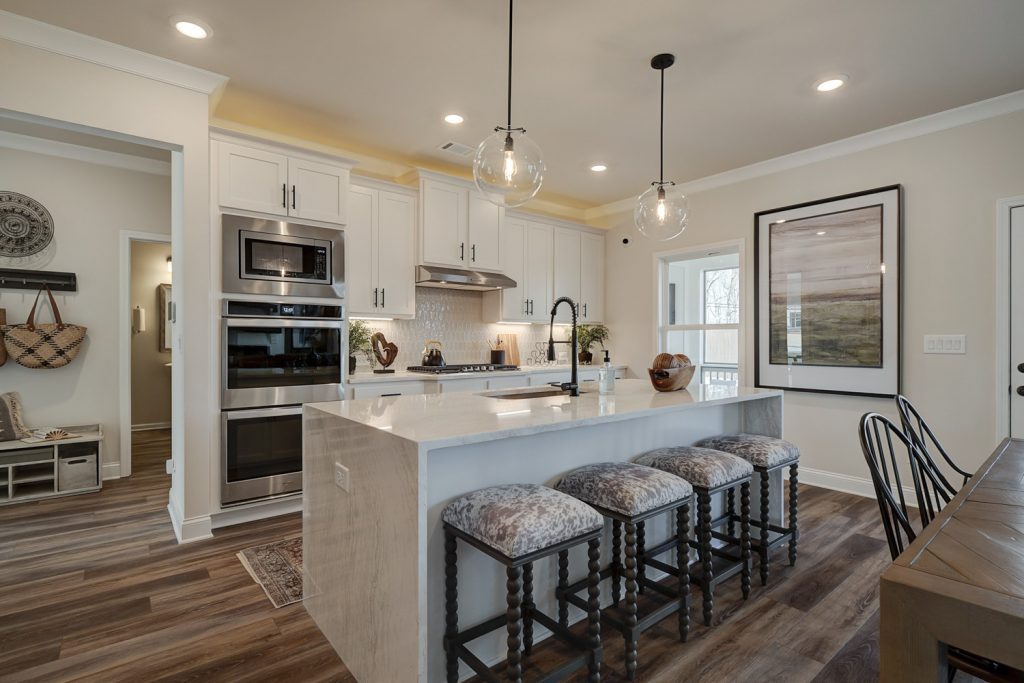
641	546
451	601
731	495
704	524
594	610
630	637
683	569
616	561
514	669
528	607
563	583
793	529
763	550
745	537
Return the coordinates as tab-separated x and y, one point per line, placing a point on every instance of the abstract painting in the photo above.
828	294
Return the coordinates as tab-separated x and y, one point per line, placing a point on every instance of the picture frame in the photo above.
828	294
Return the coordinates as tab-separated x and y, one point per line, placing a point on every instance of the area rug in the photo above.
277	567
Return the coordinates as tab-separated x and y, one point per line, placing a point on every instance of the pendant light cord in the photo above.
661	132
509	112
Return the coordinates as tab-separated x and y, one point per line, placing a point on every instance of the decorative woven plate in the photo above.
26	227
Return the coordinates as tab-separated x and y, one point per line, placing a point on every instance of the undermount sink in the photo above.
539	392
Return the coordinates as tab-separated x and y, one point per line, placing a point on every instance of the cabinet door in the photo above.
317	191
483	250
539	270
252	179
443	232
360	275
396	256
513	244
567	269
592	277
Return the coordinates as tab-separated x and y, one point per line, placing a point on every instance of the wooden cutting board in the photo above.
510	342
3	349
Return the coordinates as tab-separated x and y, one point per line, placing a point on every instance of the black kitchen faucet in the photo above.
572	386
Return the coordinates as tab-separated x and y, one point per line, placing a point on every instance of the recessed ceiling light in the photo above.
192	28
831	83
453	119
820	232
598	168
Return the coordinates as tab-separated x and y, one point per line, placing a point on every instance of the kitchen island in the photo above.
378	472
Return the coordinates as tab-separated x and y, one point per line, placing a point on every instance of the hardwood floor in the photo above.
95	588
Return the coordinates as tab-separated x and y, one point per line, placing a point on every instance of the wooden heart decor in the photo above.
385	351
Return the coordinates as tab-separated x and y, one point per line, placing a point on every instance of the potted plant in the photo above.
358	340
587	336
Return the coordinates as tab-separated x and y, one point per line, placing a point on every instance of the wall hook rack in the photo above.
16	278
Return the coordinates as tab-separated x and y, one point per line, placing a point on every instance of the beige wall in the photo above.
151	378
90	205
952	180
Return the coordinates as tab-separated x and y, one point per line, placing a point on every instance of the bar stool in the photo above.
629	494
766	454
709	472
517	525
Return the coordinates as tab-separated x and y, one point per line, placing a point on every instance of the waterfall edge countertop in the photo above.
462	418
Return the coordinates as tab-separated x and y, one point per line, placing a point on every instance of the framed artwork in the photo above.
827	294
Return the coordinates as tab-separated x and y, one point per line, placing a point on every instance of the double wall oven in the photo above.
277	352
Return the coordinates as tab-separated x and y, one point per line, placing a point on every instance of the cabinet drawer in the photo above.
27	455
386	389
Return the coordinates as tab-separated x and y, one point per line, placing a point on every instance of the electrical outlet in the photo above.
945	343
341	478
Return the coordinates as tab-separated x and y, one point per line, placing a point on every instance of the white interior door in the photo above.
1017	322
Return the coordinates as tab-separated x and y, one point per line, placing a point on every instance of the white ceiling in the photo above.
383	73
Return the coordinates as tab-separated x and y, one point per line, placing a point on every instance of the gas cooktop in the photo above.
452	369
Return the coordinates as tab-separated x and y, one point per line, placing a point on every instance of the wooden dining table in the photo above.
961	582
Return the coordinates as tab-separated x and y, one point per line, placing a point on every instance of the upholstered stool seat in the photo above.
710	472
767	454
517	525
628	494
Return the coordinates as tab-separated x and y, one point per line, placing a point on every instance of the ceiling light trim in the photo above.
37	34
906	130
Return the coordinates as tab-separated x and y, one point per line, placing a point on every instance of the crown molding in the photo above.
19	29
933	123
67	150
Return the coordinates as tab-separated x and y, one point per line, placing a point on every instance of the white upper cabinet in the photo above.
539	270
253	179
459	227
592	277
258	179
567	269
527	247
380	254
319	192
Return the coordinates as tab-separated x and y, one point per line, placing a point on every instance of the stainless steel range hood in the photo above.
477	280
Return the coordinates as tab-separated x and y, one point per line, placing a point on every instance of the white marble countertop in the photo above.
460	418
364	377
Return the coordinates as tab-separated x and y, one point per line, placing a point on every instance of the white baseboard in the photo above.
149	426
251	512
858	486
189	530
111	470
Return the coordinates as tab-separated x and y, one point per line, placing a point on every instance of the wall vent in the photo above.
457	149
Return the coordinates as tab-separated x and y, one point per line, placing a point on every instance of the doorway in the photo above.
1012	214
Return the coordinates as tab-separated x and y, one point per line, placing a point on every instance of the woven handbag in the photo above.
48	345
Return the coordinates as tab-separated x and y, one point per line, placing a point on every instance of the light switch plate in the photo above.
341	478
945	343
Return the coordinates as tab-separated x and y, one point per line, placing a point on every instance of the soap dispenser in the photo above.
606	376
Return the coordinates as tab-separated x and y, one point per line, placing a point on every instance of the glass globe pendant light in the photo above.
661	212
508	168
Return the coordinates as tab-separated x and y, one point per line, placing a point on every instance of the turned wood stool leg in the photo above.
594	610
630	637
793	529
765	493
563	583
616	561
704	524
745	537
528	608
683	569
513	615
731	495
451	601
641	546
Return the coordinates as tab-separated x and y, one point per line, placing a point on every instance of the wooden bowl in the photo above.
671	372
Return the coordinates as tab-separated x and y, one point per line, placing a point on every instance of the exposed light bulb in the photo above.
661	211
509	167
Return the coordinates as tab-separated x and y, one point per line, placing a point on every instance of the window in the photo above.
700	313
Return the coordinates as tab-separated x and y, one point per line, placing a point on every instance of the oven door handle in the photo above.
282	322
230	415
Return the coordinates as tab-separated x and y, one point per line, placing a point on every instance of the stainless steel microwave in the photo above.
278	258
